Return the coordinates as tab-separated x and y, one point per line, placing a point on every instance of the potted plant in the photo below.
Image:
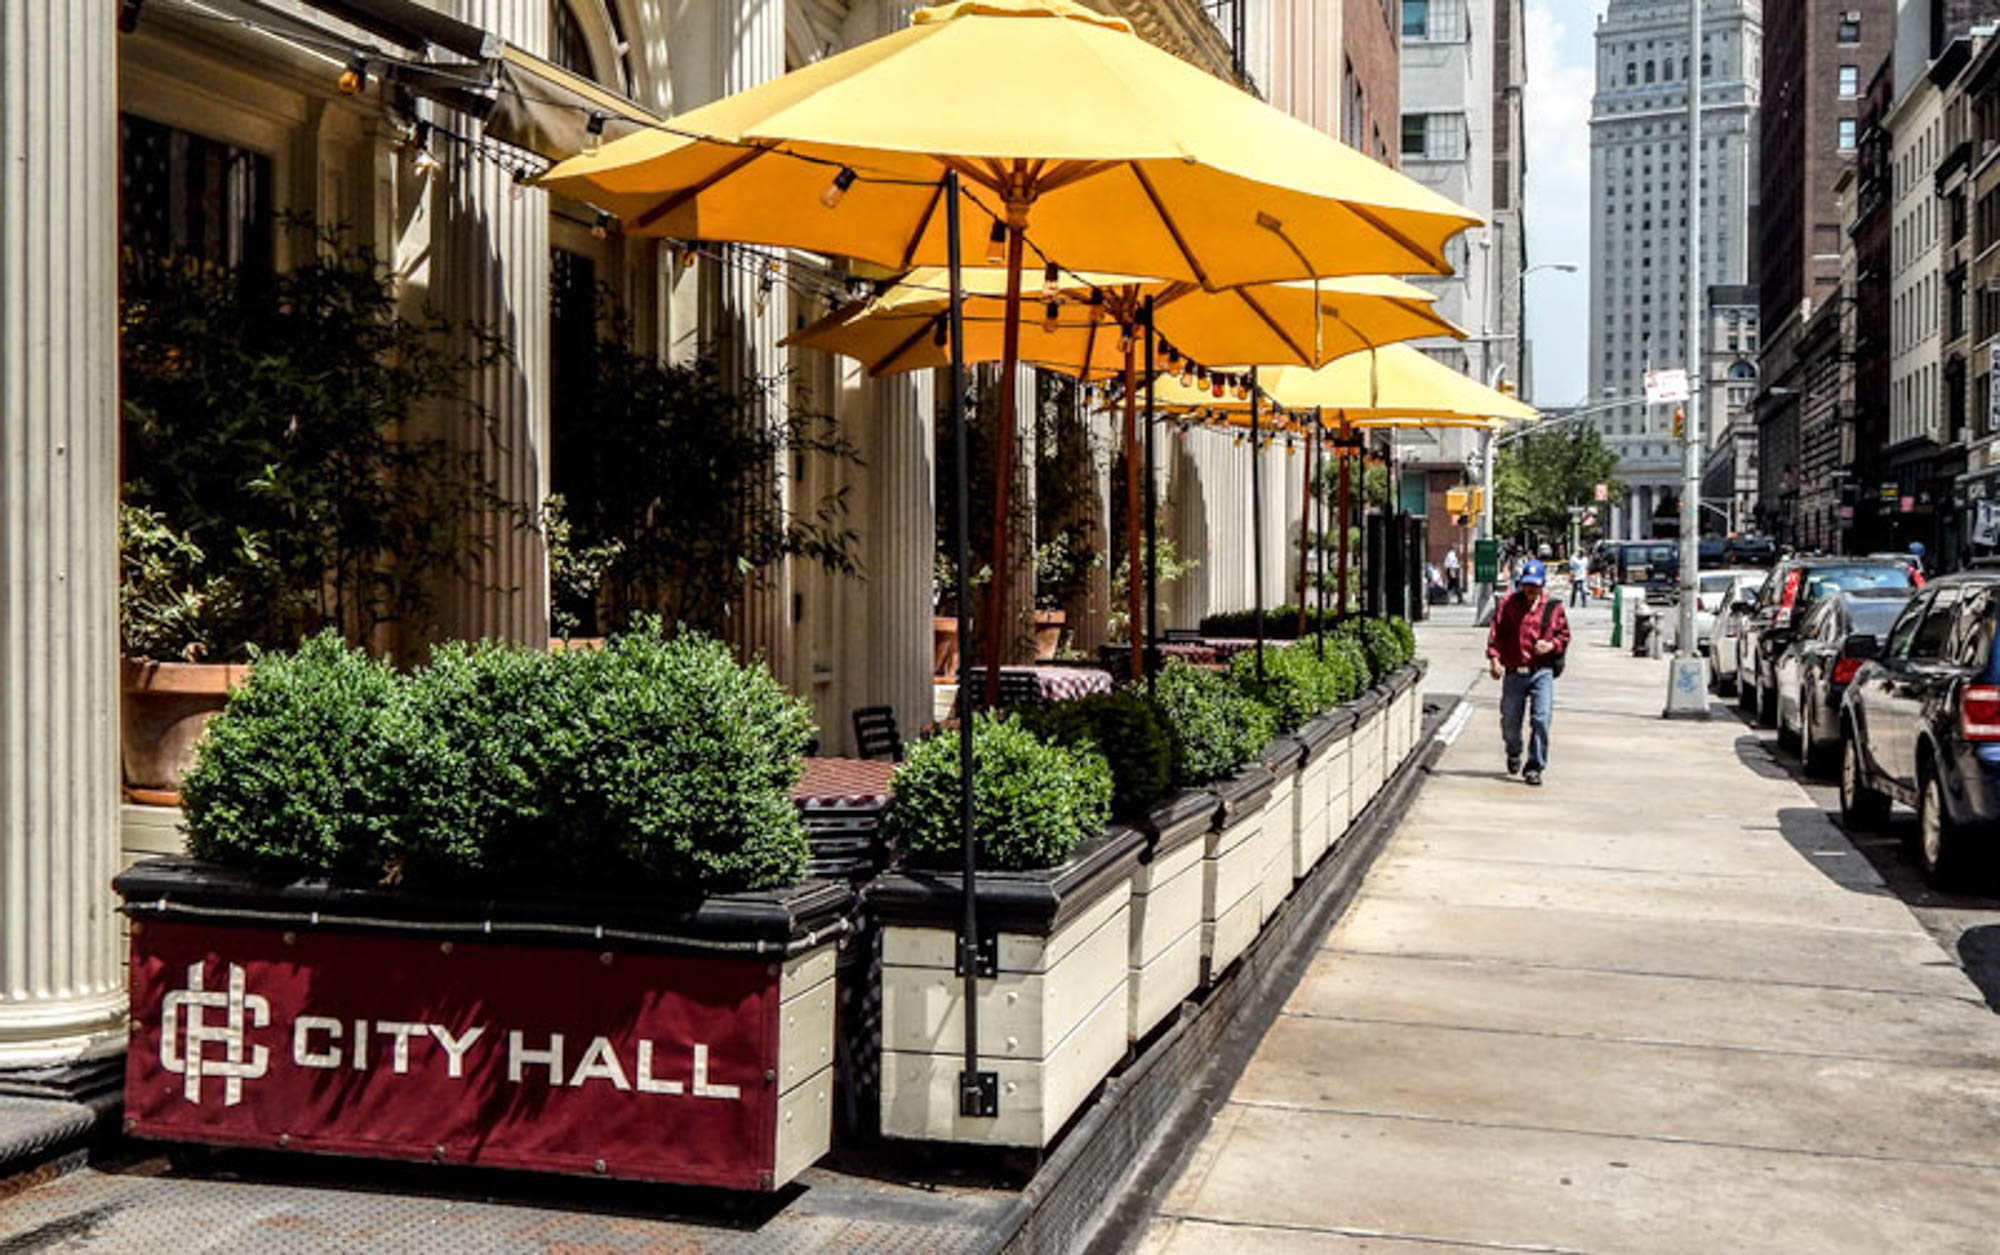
1216	733
514	908
1054	894
271	489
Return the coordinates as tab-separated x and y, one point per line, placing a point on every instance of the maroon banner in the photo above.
650	1066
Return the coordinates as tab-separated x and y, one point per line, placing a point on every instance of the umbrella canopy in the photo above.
1080	332
1131	159
1395	386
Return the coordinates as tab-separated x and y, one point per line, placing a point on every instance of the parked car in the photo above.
1791	589
1632	561
1835	638
1737	603
1921	724
1713	590
1713	552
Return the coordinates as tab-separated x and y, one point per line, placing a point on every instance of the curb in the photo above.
1105	1180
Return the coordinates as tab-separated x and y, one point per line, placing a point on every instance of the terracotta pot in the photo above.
944	648
575	644
166	706
1048	633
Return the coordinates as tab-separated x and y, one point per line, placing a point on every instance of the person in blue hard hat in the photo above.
1525	649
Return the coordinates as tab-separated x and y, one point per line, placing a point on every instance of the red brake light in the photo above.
1791	589
1916	579
1979	712
1844	669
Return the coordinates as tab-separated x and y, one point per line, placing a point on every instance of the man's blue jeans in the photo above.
1533	694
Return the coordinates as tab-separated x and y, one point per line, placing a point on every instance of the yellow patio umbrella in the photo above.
1124	158
1082	330
1395	386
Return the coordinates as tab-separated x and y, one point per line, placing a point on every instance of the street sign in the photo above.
1601	493
1664	386
1485	561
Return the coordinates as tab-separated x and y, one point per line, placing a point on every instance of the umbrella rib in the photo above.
687	194
1277	330
1374	219
1167	220
923	224
893	355
1070	172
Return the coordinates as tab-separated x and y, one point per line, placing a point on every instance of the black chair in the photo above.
875	734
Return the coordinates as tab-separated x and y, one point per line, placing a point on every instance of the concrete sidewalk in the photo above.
1659	1004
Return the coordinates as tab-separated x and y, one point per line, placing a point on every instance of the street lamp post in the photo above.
1685	695
1519	287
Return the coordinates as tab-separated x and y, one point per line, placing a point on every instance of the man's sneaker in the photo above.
1533	776
1513	764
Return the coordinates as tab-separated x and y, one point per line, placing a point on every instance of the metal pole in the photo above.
999	628
1256	525
1305	532
1152	511
1684	687
1134	593
1340	525
1319	541
975	1098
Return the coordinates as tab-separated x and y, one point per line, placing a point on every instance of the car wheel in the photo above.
1767	703
1746	695
1940	843
1862	809
1789	738
1724	684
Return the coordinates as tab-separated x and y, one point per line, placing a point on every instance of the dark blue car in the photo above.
1921	724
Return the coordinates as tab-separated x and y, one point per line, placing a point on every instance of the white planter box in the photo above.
1322	782
1274	881
1340	807
1164	962
1053	1021
1232	870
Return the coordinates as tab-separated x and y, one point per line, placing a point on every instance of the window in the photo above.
1631	74
1927	643
1846	140
1850	81
1413	135
1849	31
1707	65
190	196
569	47
1649	71
1416	20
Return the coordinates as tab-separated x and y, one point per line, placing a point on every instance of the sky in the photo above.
1557	200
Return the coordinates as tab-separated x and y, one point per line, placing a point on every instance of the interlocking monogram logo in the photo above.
239	1059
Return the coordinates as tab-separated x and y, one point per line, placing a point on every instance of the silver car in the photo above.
1723	607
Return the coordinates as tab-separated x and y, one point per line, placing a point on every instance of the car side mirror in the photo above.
1861	645
1746	602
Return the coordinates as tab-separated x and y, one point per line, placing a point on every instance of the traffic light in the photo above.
1680	422
1455	500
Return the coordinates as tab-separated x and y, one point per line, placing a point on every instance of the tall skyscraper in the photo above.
1639	227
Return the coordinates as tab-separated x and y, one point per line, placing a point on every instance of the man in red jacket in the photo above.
1524	650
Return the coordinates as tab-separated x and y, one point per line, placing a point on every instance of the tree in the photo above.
1538	477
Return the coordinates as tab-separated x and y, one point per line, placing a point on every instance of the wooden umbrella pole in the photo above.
1135	593
1319	542
1342	514
1003	485
1256	528
1305	530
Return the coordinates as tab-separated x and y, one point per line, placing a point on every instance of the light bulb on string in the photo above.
354	79
996	244
520	187
1050	275
422	163
1097	298
1216	384
602	227
1051	317
1241	388
764	286
593	131
1170	354
1187	373
837	189
940	331
1125	338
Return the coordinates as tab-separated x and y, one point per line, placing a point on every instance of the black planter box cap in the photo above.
1284	755
1242	793
1176	820
762	921
1036	901
1317	734
1369	702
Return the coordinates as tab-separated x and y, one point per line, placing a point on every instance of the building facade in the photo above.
1729	457
1638	239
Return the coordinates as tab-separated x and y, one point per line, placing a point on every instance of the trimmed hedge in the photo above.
1033	801
1126	730
1212	725
657	761
1296	683
1281	623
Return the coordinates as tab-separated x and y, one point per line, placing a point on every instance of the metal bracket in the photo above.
986	955
979	1094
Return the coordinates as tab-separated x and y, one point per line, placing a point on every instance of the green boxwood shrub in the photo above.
1123	727
1033	801
1280	622
1295	685
302	771
1212	726
655	762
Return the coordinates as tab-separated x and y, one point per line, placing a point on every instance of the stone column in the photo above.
889	648
490	264
62	995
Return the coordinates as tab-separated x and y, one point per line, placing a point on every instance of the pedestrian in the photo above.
1452	577
1579	578
1524	651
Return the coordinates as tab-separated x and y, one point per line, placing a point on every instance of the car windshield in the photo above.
1847	578
1873	616
1717	583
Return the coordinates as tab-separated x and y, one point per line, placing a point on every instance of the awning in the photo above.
547	110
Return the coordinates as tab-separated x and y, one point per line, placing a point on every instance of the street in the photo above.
1660	1004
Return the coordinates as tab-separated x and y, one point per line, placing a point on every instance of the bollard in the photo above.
1617	615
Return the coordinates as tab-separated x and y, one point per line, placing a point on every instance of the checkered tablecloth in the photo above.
1186	651
1049	684
844	783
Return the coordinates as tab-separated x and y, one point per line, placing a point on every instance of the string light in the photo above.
1187	373
602	227
354	79
128	15
1241	388
1051	317
1125	338
419	147
1096	298
940	331
1050	287
1170	353
837	189
996	244
1216	383
764	285
593	131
